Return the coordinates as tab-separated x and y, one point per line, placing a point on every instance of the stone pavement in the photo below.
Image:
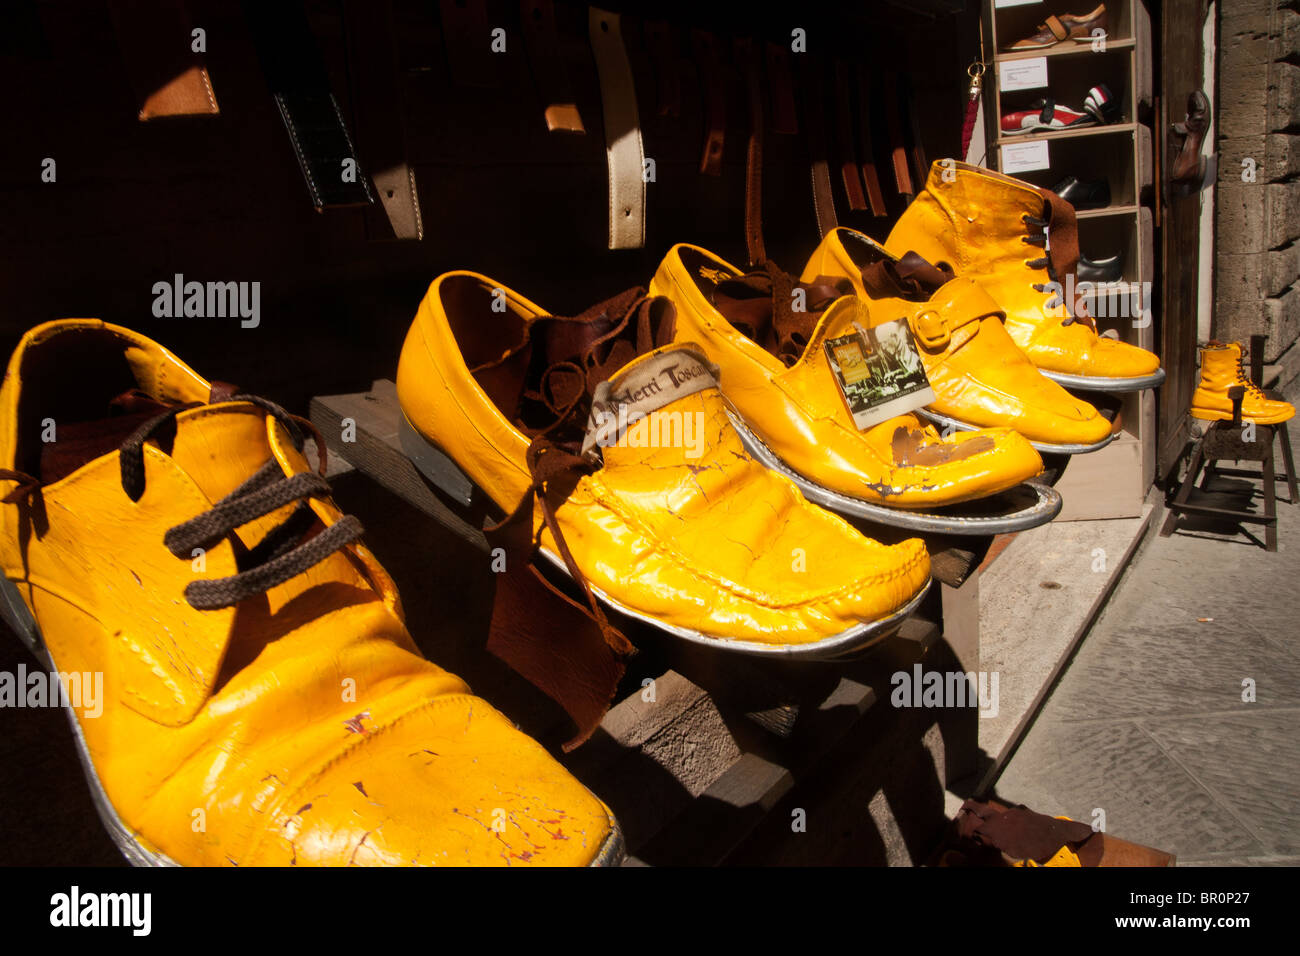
1148	723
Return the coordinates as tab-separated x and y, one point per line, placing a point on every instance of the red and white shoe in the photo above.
1044	117
1099	107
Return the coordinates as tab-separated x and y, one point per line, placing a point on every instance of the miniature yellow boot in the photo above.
980	377
993	228
259	699
793	414
1221	369
614	441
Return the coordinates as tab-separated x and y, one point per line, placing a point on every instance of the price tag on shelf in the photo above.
1028	74
1025	157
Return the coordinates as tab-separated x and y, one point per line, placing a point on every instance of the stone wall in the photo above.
1258	189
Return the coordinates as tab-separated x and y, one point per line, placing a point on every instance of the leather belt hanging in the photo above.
467	37
747	58
823	198
624	152
659	41
844	136
297	78
781	88
543	41
897	146
920	168
381	131
870	176
713	86
168	76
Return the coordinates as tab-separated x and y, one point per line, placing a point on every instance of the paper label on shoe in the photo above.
1024	157
879	372
622	402
1030	74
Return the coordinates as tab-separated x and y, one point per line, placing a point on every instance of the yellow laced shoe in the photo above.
1221	369
776	373
617	447
993	228
262	702
980	376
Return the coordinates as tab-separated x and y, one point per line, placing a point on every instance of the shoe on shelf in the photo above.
980	376
257	677
1045	115
994	229
608	439
1057	29
776	372
1222	368
1109	269
1084	193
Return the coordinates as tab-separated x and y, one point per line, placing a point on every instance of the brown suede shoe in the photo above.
1059	29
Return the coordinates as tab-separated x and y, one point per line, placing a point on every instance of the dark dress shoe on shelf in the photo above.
1098	270
1084	193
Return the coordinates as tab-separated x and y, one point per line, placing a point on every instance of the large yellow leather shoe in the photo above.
993	228
664	517
1222	369
776	373
980	377
261	701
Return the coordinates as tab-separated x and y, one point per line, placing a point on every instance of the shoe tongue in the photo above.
649	384
221	446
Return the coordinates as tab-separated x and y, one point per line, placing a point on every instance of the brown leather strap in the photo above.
624	149
823	197
168	76
912	277
1057	27
920	168
712	83
897	147
747	58
870	176
381	130
1063	250
560	109
467	38
668	81
845	139
781	87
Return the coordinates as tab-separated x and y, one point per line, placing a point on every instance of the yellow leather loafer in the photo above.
615	445
776	373
1222	369
981	378
262	702
993	228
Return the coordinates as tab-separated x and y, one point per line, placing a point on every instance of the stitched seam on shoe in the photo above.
681	561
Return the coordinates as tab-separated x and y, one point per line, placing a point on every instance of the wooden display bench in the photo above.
706	757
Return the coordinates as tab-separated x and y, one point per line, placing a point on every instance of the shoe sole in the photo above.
1041	128
15	613
1041	446
846	643
1206	415
1095	383
1046	506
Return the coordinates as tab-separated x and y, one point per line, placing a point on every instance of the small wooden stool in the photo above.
1223	441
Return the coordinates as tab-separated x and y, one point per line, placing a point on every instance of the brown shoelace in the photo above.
1061	259
280	555
761	304
566	385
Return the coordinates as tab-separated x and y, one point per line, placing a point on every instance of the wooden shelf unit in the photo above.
1122	153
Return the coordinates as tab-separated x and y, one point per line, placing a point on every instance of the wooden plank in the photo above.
376	450
727	812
